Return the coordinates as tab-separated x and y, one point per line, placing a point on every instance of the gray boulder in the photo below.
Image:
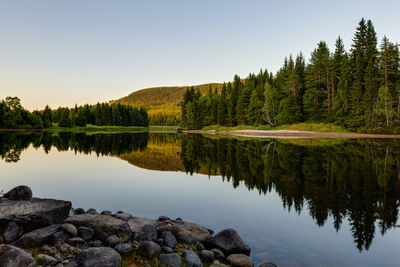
207	255
240	260
85	232
170	260
124	248
267	264
37	237
11	256
69	228
33	214
230	242
148	232
12	232
149	249
103	225
218	254
169	239
112	240
21	192
46	260
99	257
187	232
123	216
218	264
191	259
136	223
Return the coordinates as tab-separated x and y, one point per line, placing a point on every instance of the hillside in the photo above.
162	103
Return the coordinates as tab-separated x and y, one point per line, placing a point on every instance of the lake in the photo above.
314	202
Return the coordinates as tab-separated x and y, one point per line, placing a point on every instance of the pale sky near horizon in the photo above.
66	52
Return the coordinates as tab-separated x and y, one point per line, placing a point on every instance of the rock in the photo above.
267	264
169	239
240	260
21	192
95	243
79	211
218	264
33	214
12	232
46	260
60	237
85	233
45	248
37	237
147	233
218	254
103	225
200	246
136	223
207	255
191	259
71	264
112	240
65	248
167	249
188	231
163	218
106	212
11	256
230	242
76	240
149	249
124	248
92	211
102	257
170	260
123	216
69	228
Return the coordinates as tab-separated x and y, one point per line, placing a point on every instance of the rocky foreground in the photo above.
48	232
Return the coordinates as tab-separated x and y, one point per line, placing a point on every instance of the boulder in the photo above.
230	242
267	264
207	255
124	248
102	256
106	212
95	243
33	214
191	259
169	239
170	260
149	249
103	225
218	254
21	192
240	260
187	232
218	264
60	237
11	256
123	216
112	240
76	240
163	218
46	260
136	223
69	228
167	249
92	211
85	232
37	237
148	232
79	211
12	232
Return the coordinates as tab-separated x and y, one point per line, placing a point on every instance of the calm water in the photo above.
296	203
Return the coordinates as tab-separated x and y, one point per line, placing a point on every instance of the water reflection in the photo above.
352	180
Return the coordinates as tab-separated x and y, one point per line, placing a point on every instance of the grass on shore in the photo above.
314	127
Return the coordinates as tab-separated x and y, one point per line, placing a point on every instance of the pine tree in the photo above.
254	112
222	117
233	100
46	118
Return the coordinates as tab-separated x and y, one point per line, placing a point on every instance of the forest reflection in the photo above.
354	180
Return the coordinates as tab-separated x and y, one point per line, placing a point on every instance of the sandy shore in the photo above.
293	134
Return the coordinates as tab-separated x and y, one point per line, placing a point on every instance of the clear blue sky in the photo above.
67	52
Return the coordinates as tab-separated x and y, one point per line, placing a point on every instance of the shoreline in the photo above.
292	134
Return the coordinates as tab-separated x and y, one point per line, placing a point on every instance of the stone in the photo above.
71	264
218	254
149	249
70	229
112	240
163	218
76	240
123	248
21	192
45	248
218	264
206	255
170	260
267	264
60	237
65	248
85	232
191	259
147	233
240	260
91	211
95	243
33	214
169	239
79	211
103	225
102	256
37	237
136	223
123	216
12	232
230	242
188	231
11	256
46	260
167	249
106	212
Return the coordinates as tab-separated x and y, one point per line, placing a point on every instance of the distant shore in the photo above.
292	134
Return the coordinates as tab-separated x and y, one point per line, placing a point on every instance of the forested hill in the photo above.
162	103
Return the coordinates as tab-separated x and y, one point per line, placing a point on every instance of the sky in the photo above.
63	53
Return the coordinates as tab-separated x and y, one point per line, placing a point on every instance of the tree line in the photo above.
13	115
359	88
